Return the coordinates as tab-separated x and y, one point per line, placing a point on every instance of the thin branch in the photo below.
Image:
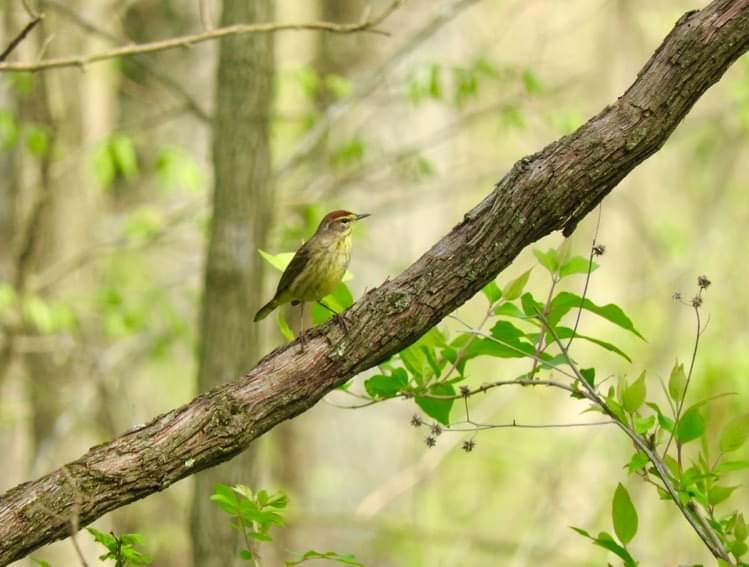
539	347
593	253
680	407
20	37
464	349
514	424
369	25
165	79
498	384
709	539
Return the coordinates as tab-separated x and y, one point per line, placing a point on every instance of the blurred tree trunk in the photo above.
68	110
229	341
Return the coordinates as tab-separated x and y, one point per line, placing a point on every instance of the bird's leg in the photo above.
302	337
337	317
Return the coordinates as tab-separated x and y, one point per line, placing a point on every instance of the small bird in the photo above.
317	267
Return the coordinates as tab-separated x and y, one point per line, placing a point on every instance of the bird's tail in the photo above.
265	310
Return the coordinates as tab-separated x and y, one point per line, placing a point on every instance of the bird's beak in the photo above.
363	216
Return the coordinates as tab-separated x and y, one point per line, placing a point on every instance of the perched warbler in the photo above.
317	267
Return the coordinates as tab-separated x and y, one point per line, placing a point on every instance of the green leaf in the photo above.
245	555
8	130
492	292
8	297
624	515
718	494
566	332
634	394
677	382
673	465
615	407
507	342
283	326
338	300
509	310
435	366
738	548
177	169
338	85
564	250
589	374
415	361
124	156
40	562
438	409
37	140
435	87
565	301
548	259
515	288
691	426
638	462
107	540
730	466
739	528
644	424
577	265
605	541
451	355
531	82
531	307
349	153
382	386
664	421
735	434
224	496
39	314
433	338
507	332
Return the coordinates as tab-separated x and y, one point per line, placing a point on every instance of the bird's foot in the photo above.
302	343
340	320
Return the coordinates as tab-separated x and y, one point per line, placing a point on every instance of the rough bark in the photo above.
229	342
550	190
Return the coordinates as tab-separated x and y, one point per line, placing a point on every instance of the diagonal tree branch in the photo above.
16	41
366	25
550	190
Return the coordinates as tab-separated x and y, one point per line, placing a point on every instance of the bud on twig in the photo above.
703	282
469	445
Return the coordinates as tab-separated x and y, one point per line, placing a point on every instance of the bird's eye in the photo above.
344	222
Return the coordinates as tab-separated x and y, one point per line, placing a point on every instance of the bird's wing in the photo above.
295	267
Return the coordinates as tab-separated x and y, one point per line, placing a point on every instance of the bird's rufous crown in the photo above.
333	215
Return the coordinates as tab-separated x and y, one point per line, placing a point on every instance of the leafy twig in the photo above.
710	540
